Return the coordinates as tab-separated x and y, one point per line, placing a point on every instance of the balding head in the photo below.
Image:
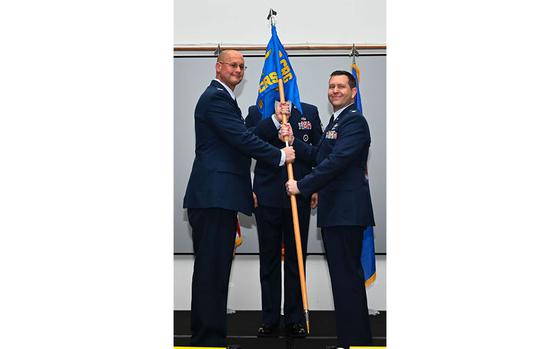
225	55
230	68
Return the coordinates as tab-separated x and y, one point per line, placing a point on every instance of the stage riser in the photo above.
242	327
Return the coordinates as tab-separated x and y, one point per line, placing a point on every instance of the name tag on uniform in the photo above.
304	125
331	134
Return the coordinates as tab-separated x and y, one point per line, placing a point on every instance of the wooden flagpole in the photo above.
295	218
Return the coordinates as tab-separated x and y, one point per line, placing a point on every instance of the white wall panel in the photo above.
244	22
245	292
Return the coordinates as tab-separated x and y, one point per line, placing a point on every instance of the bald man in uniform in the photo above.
219	187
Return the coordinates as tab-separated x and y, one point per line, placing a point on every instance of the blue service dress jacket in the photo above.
268	183
220	176
340	175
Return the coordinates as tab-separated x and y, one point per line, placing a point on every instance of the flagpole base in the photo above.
306	312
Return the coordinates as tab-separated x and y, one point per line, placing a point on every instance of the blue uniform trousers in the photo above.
214	232
343	247
275	226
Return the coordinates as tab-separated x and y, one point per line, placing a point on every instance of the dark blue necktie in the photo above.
330	121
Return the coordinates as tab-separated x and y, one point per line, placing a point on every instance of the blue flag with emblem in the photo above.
368	242
276	62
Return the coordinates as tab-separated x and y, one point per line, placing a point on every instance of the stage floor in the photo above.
242	328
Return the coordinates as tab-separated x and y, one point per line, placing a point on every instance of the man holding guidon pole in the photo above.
278	83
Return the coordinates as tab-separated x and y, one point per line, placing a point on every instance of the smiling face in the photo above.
340	92
230	68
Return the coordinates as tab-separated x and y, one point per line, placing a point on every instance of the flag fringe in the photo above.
371	279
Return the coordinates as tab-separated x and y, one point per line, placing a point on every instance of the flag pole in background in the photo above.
279	80
368	242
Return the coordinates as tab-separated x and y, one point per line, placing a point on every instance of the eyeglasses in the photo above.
235	65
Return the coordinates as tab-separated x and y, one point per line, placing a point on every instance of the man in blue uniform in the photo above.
345	207
274	220
220	186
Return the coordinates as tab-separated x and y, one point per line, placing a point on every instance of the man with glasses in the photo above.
220	186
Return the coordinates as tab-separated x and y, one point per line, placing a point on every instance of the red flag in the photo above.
238	237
